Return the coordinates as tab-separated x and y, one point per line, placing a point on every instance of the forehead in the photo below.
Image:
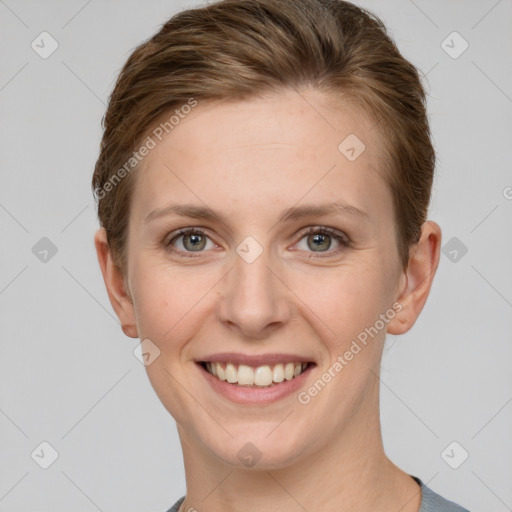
266	152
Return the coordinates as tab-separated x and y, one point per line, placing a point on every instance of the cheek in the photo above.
169	312
346	299
168	301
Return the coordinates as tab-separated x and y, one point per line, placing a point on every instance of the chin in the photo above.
253	450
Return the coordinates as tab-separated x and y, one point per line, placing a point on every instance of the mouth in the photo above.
255	379
262	376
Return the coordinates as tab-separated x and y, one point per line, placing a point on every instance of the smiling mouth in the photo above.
261	376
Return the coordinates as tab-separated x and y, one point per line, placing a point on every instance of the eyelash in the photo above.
338	236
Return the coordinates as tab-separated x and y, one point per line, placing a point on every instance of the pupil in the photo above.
195	241
318	240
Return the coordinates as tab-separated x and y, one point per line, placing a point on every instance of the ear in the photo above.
114	282
416	280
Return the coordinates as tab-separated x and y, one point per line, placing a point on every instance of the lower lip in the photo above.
255	395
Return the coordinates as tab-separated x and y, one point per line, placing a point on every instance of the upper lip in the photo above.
254	360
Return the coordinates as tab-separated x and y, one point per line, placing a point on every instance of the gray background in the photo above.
68	375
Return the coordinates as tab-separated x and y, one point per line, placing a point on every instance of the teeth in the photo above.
245	375
289	370
221	374
278	375
231	373
265	375
262	376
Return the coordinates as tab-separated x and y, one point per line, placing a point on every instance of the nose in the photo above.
253	298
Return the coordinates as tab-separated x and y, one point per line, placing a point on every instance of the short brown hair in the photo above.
238	49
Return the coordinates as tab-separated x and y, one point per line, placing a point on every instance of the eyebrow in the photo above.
293	213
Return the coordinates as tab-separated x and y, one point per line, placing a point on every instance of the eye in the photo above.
192	240
320	239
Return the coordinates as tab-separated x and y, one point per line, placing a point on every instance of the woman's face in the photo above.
254	282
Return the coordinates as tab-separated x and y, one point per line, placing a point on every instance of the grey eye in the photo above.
194	242
319	242
191	240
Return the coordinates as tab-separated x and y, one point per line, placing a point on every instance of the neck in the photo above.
350	472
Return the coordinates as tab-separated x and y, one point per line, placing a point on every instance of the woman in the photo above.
263	186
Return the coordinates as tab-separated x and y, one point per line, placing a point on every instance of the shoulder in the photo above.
430	501
176	506
433	502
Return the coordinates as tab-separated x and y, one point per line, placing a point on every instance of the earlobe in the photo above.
417	278
115	285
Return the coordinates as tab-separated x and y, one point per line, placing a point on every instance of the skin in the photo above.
250	161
